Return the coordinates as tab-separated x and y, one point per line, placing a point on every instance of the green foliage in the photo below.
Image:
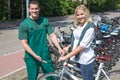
14	10
57	7
118	5
103	5
4	18
52	8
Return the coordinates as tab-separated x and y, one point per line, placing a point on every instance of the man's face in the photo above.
34	10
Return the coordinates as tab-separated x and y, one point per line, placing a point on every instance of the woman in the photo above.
82	51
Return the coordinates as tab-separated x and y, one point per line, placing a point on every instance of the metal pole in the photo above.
9	10
27	12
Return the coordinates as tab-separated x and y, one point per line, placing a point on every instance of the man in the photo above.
33	37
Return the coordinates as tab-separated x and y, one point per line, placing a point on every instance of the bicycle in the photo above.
67	74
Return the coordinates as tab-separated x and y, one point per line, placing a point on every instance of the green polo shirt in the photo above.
40	23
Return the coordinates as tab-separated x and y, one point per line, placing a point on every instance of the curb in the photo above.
15	70
17	75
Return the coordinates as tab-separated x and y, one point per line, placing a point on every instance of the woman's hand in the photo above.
66	48
62	58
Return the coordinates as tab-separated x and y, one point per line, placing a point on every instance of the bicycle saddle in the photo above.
104	58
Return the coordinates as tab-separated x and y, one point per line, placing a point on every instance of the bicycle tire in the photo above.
114	75
54	76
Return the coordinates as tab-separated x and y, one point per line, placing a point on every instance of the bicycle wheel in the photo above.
114	75
52	76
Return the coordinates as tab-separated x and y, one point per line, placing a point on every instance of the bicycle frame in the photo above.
66	70
101	65
100	70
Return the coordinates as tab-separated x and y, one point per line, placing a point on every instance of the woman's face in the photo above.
34	11
81	16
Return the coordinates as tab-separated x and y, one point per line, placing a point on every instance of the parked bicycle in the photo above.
71	72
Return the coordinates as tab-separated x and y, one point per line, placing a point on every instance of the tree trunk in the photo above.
22	9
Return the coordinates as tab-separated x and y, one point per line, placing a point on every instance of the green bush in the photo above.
51	8
118	6
103	5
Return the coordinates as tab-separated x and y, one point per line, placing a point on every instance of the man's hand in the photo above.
38	58
56	42
61	51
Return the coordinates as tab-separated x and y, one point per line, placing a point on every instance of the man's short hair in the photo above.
34	2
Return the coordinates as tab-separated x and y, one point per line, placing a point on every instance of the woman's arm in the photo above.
76	51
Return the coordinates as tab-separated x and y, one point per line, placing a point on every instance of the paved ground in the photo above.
11	52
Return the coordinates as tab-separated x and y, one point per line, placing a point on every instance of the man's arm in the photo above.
29	50
55	41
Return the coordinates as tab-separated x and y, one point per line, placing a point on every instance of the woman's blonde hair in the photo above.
85	9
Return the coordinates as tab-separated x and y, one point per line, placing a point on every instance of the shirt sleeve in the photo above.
88	38
49	28
23	31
